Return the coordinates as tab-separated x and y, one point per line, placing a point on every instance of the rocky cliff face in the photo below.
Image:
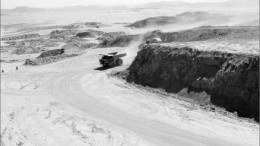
232	80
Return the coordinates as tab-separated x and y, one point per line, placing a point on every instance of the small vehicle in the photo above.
111	59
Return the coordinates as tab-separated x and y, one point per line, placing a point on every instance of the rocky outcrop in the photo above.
93	24
232	80
51	53
61	34
19	37
30	62
84	34
90	33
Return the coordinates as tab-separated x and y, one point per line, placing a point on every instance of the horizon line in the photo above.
108	5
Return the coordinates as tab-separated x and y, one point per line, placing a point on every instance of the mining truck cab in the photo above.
111	59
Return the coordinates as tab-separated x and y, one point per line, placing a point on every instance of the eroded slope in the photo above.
221	65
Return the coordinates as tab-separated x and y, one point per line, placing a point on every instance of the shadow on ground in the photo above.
103	68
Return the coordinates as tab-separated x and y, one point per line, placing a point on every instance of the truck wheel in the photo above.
119	62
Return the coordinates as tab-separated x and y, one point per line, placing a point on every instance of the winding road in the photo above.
81	90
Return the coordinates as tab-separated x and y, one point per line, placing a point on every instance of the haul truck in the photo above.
111	59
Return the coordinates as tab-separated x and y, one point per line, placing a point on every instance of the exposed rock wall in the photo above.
232	80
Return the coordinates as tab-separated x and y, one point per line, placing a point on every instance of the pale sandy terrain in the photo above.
18	61
71	103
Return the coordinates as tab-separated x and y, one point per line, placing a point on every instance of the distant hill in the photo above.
24	9
183	18
152	5
230	3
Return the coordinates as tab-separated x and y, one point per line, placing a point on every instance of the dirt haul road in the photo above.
71	103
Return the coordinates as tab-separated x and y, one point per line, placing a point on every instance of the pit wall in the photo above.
231	80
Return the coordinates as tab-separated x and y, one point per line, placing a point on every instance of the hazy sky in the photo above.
61	3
